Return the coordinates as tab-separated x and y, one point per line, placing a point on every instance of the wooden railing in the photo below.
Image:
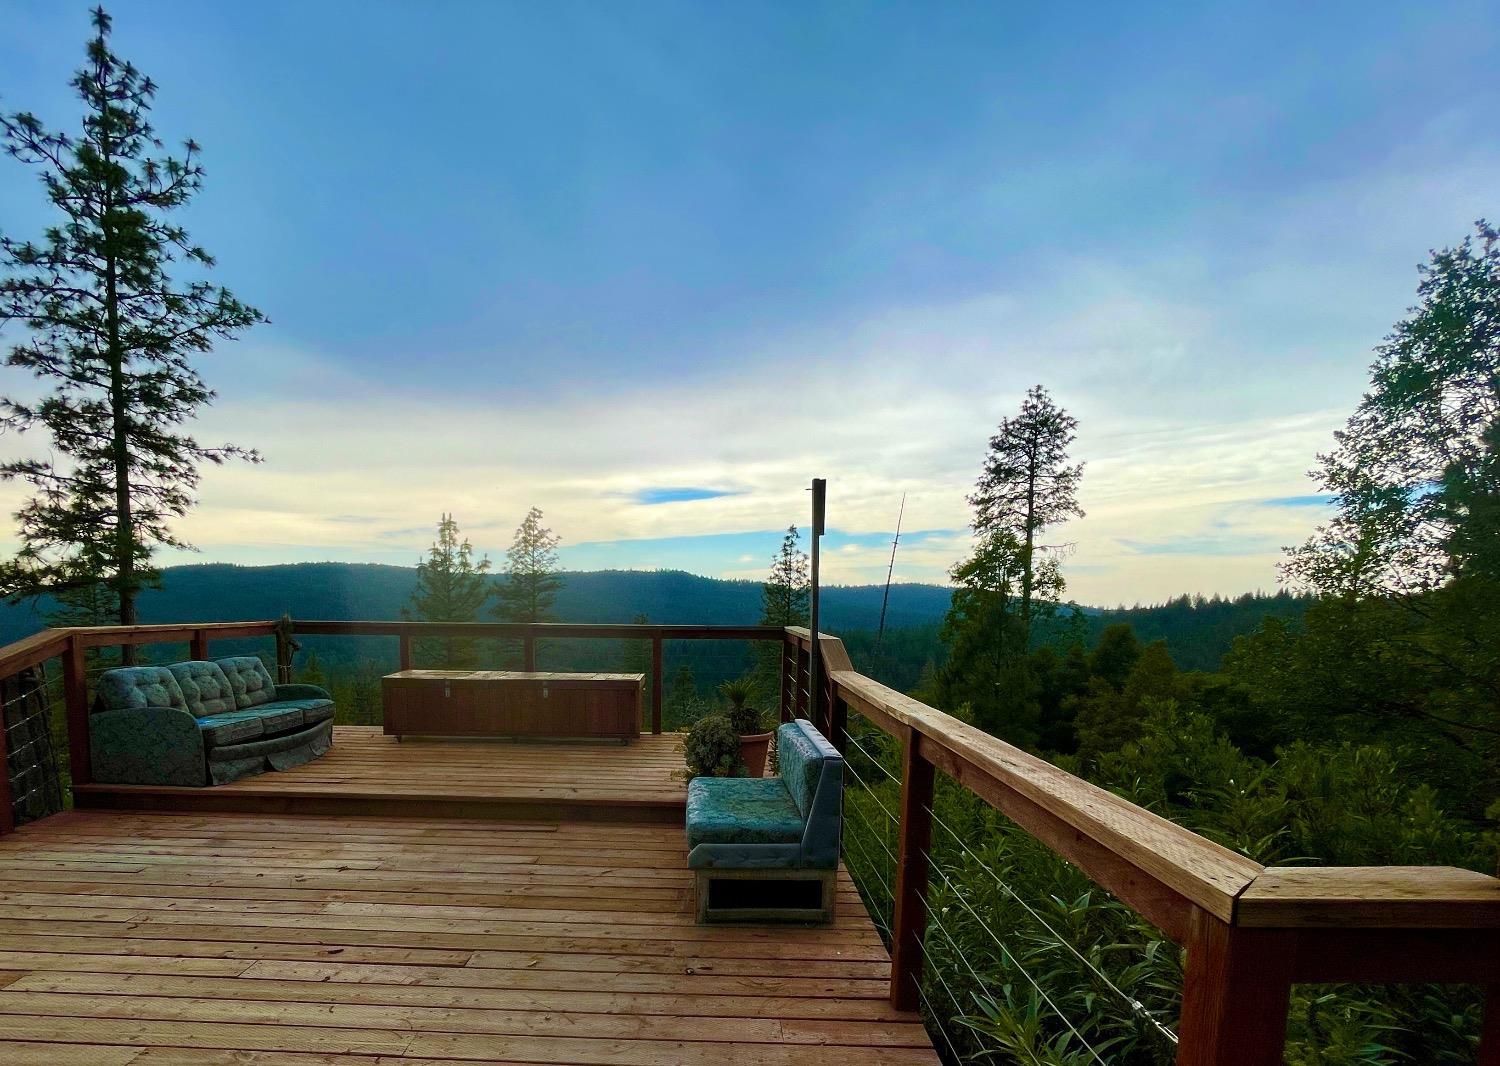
1250	932
70	647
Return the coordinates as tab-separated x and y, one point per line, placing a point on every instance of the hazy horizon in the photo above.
653	268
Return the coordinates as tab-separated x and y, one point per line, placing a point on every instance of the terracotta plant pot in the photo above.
753	751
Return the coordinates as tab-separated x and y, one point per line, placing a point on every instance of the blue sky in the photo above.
653	266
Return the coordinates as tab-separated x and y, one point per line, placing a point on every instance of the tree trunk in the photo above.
1026	568
124	526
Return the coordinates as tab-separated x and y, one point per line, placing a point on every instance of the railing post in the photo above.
528	652
1235	994
283	658
76	704
909	923
198	650
656	683
838	725
404	651
1489	1040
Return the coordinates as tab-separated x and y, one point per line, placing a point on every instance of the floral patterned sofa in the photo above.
768	848
203	723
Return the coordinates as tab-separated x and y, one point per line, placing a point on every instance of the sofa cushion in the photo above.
249	679
313	710
130	687
204	687
800	762
236	727
741	810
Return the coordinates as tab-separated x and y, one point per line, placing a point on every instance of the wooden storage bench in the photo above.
512	703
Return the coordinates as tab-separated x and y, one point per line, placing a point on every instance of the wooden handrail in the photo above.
1250	932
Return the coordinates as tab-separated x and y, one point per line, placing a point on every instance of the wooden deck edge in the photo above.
187	801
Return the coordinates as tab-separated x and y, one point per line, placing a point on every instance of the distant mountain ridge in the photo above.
1198	631
221	592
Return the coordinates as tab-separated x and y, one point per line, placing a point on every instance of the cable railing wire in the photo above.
1009	955
1130	1001
1134	1004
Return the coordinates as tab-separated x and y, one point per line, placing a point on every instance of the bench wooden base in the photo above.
805	896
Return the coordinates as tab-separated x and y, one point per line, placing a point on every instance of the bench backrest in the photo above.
249	679
813	772
205	688
127	688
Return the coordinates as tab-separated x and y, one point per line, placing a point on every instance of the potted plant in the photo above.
749	723
712	748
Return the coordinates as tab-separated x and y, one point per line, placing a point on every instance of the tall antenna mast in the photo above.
890	570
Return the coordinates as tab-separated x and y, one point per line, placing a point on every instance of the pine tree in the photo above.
1027	486
531	574
784	602
451	587
787	590
683	705
312	671
107	327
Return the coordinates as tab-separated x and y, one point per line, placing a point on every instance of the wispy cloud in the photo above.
1316	500
653	496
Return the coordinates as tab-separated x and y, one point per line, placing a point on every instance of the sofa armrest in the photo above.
302	692
147	746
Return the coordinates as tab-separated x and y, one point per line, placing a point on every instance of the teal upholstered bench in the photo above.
768	848
203	723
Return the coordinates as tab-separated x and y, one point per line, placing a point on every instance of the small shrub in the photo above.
712	748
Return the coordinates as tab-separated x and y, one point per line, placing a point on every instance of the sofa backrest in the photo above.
130	687
249	680
204	687
801	752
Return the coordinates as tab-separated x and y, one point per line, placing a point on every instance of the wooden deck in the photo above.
369	773
205	938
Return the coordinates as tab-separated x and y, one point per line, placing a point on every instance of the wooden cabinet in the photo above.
512	703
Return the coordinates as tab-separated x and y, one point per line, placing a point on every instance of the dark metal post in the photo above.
818	713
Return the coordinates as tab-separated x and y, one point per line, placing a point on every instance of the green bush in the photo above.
713	748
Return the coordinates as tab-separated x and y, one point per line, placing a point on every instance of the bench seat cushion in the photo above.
741	810
313	710
265	720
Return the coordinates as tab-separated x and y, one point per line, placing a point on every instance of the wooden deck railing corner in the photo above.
1249	932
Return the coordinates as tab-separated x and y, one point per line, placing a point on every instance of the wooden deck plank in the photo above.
366	772
195	937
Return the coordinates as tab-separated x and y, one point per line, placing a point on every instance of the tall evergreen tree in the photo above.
1027	486
451	587
788	589
531	573
106	326
1406	469
785	600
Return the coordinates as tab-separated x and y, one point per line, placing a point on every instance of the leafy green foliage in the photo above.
712	748
1419	451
